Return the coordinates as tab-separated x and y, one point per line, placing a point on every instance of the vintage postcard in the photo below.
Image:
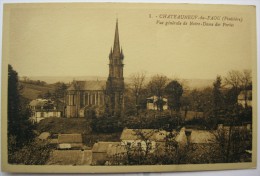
128	87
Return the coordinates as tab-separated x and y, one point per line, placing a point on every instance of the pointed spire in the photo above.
116	48
110	53
122	54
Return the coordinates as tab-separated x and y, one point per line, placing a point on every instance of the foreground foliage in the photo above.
34	153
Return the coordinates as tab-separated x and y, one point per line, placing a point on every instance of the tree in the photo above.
246	83
130	106
217	96
19	127
185	103
240	83
13	101
174	92
237	80
230	97
233	79
107	124
59	94
47	95
137	87
156	87
60	90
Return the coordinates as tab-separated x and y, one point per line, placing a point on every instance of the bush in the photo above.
34	153
107	125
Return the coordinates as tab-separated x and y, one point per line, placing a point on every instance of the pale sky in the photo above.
75	40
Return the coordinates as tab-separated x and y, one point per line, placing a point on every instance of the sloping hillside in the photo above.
32	91
64	125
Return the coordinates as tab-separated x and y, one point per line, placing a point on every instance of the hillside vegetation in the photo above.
32	91
64	125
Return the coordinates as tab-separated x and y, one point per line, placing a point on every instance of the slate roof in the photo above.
69	138
87	85
152	134
102	147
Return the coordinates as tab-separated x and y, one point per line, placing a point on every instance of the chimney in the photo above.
188	135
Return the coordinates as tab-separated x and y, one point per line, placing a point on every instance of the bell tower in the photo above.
115	81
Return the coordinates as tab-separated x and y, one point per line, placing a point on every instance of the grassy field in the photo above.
31	91
64	125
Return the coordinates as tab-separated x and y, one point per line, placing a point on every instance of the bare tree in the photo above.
246	82
141	151
137	86
156	86
233	79
240	81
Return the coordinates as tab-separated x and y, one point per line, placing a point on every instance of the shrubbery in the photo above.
107	125
34	153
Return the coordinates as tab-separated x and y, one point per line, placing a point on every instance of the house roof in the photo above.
87	85
114	149
202	137
226	128
44	135
139	134
102	147
69	138
196	136
155	98
39	102
70	157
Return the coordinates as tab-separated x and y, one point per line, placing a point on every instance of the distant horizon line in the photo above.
67	76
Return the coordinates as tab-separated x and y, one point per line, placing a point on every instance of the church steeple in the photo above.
115	81
116	48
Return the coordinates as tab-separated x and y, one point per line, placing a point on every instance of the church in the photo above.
107	95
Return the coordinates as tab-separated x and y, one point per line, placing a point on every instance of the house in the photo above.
143	137
200	136
198	145
116	154
194	136
100	152
70	141
152	103
246	126
43	108
245	98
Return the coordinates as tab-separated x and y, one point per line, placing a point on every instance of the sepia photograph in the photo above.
155	87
